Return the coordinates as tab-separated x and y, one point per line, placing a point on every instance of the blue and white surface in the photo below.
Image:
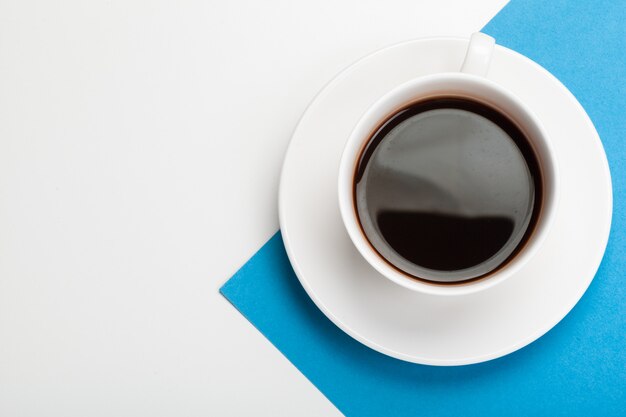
130	190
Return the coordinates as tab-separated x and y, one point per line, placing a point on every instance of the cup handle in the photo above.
479	53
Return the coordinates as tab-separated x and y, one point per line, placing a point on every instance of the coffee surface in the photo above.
447	190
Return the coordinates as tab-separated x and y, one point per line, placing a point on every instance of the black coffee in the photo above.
448	190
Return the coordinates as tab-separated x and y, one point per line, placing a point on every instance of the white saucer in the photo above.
432	329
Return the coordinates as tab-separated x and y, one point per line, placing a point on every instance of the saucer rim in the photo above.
594	261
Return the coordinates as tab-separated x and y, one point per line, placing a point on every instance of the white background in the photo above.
140	151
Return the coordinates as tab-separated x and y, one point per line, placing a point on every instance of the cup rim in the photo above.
357	140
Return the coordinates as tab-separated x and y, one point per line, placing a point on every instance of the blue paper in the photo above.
579	367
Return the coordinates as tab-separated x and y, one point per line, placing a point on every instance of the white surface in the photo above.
140	148
430	328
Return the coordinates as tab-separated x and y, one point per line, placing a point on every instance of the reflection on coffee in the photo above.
447	190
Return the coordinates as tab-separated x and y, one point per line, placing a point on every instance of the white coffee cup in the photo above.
470	82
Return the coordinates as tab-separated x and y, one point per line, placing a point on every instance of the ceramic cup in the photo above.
469	82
